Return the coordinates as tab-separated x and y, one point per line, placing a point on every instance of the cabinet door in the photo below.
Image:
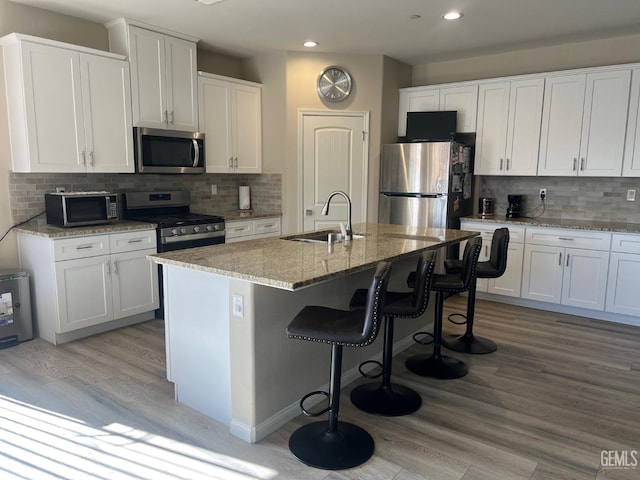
427	100
182	84
605	120
631	165
542	273
585	278
53	103
247	129
106	95
215	123
623	290
84	292
148	78
509	283
135	283
561	125
491	136
465	101
523	136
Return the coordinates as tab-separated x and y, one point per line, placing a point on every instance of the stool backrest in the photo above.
470	261
375	301
499	248
424	275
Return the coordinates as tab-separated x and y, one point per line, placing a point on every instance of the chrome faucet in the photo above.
325	211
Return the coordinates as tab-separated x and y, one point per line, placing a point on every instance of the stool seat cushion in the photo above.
451	282
329	325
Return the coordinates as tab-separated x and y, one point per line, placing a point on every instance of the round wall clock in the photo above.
334	84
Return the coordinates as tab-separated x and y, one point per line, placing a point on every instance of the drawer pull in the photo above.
560	259
84	247
270	225
566	238
568	259
240	229
135	241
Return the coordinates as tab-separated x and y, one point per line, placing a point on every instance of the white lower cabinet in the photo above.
240	230
567	275
84	282
509	283
623	288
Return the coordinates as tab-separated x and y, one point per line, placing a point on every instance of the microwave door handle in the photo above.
196	152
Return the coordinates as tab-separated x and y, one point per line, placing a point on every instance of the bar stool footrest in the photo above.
469	344
437	366
313	394
367	374
388	401
314	445
456	315
419	340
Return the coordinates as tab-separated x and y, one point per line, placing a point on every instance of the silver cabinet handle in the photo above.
109	268
270	225
171	117
240	229
486	250
308	212
575	164
84	157
230	162
568	259
560	259
115	267
196	152
166	117
84	247
135	241
501	161
235	162
582	164
507	164
92	156
566	238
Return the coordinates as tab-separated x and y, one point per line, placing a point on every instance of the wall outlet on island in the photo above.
214	189
543	193
631	195
238	305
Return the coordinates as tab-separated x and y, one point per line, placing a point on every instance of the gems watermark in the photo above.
619	459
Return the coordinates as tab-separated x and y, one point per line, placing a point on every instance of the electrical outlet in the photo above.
238	305
214	189
631	195
60	189
543	193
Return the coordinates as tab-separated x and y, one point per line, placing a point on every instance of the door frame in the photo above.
364	115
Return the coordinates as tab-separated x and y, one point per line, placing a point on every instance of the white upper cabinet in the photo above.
508	133
631	165
163	75
584	124
69	108
463	99
231	119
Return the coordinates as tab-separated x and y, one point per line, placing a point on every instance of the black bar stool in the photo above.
437	365
493	268
334	445
385	398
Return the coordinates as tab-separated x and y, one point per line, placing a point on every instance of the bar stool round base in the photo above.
391	401
348	447
437	367
469	344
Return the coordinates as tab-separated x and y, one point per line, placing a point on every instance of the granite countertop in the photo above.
232	215
290	265
50	231
601	226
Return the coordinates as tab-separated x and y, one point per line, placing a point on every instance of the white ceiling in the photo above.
248	27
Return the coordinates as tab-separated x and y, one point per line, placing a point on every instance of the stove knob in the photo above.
183	230
174	231
209	228
196	229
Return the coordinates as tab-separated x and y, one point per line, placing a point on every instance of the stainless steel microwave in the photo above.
74	209
168	151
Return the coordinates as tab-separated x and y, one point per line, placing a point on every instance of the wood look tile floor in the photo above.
558	391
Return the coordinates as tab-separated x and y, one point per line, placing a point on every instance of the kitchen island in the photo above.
227	307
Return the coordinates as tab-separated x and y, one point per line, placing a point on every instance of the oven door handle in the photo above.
196	152
194	236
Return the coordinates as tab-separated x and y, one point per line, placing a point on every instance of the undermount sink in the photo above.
321	237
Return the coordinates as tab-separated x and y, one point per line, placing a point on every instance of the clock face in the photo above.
334	84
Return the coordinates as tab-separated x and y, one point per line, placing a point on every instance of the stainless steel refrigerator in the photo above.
426	184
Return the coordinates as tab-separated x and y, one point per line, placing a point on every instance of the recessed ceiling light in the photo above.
310	43
208	2
452	15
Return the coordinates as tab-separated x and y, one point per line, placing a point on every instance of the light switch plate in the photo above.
238	305
631	195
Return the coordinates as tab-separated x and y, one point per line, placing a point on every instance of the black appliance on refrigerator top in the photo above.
426	184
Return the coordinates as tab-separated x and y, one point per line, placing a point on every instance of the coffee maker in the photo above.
514	210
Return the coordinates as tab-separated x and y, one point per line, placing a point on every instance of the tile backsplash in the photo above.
27	189
576	198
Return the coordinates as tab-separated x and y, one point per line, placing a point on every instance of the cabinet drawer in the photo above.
625	243
131	241
80	247
266	225
516	233
239	229
569	238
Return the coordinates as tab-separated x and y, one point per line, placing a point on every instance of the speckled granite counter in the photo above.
49	231
290	265
561	223
232	215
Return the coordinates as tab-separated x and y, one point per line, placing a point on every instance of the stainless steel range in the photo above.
178	228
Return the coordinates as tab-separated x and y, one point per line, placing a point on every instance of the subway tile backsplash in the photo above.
576	198
27	189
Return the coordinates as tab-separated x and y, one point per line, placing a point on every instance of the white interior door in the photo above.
334	151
